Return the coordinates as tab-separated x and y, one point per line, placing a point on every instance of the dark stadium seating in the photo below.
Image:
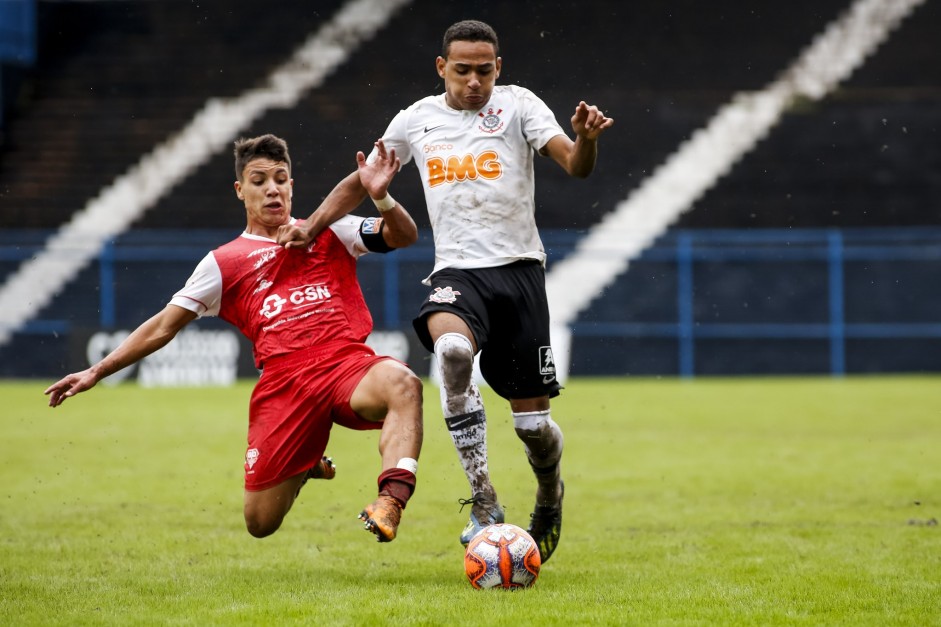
114	79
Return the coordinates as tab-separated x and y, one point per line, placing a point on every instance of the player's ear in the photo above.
498	65
440	64
238	190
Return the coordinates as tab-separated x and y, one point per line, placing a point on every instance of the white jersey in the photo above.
477	171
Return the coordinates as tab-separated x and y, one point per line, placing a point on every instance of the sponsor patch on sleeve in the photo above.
371	226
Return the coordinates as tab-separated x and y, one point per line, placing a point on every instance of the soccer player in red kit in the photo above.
304	312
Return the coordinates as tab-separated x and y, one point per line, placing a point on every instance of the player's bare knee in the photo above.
261	525
260	529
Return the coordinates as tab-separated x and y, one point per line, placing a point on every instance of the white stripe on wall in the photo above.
605	252
34	284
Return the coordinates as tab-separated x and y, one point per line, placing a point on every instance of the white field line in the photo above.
574	282
34	284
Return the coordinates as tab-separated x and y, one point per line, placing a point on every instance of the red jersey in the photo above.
284	300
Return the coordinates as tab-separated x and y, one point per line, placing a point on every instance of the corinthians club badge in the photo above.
491	121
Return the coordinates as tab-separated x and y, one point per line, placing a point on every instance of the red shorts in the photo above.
298	398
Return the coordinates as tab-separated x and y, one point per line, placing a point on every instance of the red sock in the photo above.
397	483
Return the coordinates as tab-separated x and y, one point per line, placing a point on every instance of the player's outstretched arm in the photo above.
400	230
342	199
371	179
377	176
578	158
147	338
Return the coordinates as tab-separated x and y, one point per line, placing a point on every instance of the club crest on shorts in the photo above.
444	295
251	456
546	361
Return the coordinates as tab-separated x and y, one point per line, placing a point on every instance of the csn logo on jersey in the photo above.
303	296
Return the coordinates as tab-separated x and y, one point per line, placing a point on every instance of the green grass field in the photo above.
733	502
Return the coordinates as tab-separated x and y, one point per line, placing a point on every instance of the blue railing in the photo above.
836	264
832	248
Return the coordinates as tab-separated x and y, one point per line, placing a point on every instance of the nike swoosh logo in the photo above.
428	130
547	380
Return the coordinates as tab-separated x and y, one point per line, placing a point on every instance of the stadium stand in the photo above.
865	156
113	79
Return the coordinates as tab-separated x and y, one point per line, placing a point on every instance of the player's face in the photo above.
266	189
470	72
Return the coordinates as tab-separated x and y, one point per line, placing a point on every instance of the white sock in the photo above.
463	409
543	441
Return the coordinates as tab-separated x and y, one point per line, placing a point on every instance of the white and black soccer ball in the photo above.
502	556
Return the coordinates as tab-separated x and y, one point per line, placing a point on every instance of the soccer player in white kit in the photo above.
474	147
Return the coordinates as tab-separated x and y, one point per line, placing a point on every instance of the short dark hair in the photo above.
263	147
470	30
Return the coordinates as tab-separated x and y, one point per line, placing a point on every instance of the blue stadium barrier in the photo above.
832	250
18	31
697	302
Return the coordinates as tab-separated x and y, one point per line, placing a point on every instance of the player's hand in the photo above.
589	122
377	176
294	235
70	385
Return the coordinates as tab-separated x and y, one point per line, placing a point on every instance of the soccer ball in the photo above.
502	556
